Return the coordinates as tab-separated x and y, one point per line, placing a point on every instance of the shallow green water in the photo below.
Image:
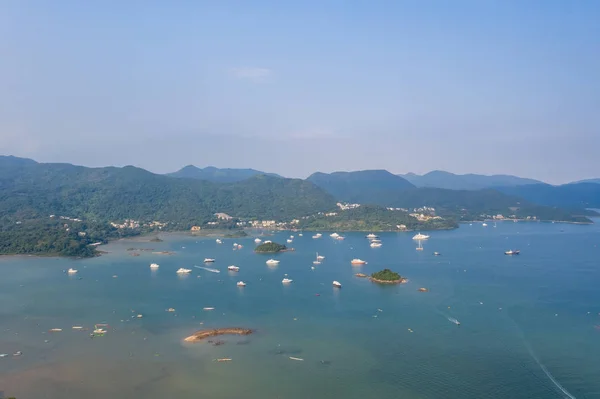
525	328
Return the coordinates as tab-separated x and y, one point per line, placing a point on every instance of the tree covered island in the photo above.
386	276
270	247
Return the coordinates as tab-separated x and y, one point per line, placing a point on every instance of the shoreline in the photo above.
527	220
401	281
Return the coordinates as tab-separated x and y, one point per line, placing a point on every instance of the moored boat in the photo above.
182	270
241	284
337	284
286	280
233	268
357	261
421	237
154	266
208	260
272	262
512	252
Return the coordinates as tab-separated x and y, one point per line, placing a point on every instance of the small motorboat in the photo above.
233	268
72	271
436	254
154	266
182	270
375	244
337	284
241	284
286	280
208	260
272	262
358	262
218	241
257	240
512	252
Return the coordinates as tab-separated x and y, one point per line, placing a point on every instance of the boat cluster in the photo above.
374	241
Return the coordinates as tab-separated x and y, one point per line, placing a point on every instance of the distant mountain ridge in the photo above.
360	186
595	181
218	175
442	179
36	190
572	195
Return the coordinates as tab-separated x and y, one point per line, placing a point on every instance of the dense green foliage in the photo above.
451	181
217	175
270	247
362	186
31	190
372	218
386	275
56	237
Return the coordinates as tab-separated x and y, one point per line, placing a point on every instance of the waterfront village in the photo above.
422	214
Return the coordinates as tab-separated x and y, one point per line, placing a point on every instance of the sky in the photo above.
294	87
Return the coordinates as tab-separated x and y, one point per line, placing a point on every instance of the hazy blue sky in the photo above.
299	86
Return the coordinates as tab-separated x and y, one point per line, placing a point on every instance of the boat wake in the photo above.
545	370
208	269
541	365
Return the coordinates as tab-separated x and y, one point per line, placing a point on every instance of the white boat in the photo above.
241	284
376	244
55	329
268	242
371	235
72	271
320	257
154	266
339	238
99	331
292	237
337	284
420	237
358	262
289	240
317	261
257	240
484	224
219	241
182	270
272	262
208	308
300	234
208	260
318	235
334	235
233	268
286	280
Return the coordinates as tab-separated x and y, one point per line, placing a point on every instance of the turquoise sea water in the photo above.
528	323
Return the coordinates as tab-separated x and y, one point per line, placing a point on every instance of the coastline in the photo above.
400	281
527	221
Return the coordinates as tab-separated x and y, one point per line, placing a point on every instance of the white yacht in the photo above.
241	284
334	235
257	240
371	235
318	235
154	266
420	237
320	257
233	268
317	261
484	224
219	241
289	240
268	242
300	235
182	270
272	262
292	237
337	284
72	271
358	262
376	244
286	280
208	260
339	238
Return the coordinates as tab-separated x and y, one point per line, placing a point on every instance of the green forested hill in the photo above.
31	190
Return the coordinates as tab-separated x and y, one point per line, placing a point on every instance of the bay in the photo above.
529	323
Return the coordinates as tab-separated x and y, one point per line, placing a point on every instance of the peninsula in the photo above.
386	276
203	334
270	247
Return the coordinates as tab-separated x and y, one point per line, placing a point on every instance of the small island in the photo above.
386	276
203	334
270	247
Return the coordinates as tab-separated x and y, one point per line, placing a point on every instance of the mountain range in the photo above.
29	189
218	175
451	181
